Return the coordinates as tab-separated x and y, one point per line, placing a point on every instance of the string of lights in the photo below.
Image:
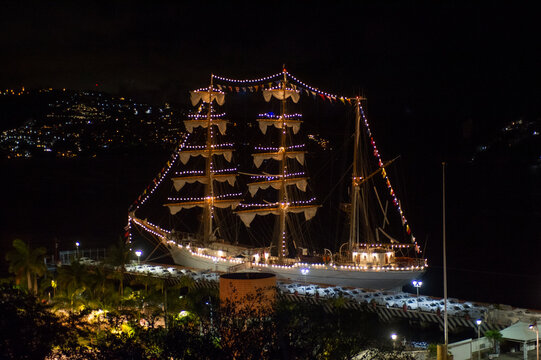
217	197
247	81
214	146
263	205
274	116
270	148
277	176
396	202
205	116
316	90
162	175
207	89
308	88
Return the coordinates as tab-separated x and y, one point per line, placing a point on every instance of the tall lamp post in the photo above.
304	272
417	284
394	337
536	329
478	322
138	253
77	248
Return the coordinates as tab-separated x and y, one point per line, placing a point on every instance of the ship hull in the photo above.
319	274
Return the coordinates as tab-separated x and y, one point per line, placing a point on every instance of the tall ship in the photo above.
202	184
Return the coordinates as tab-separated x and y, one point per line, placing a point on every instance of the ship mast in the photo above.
210	146
355	181
282	193
209	186
284	153
359	206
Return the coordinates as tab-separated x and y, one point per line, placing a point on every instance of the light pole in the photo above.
77	248
393	338
138	253
417	284
304	272
478	322
536	329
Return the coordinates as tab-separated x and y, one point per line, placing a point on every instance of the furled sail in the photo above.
279	123
220	123
207	96
186	154
282	94
179	182
301	184
259	157
247	216
222	204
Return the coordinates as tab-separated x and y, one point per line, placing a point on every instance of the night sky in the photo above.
439	78
465	57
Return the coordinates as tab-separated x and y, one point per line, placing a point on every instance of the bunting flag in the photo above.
269	81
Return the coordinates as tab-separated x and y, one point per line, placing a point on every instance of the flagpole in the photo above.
446	334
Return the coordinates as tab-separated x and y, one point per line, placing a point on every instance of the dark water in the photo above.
493	218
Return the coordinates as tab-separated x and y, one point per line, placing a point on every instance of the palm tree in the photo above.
118	255
73	282
102	292
27	262
495	336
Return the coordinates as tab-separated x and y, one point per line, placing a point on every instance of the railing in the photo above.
68	256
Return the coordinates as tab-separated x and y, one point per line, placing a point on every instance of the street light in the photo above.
536	329
77	248
478	322
304	272
417	284
394	337
138	253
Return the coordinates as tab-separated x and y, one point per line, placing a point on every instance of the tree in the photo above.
29	330
27	262
102	293
119	255
495	336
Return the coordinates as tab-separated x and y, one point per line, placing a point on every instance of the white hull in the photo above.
384	279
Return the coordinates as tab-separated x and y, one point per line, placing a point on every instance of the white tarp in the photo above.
258	158
280	93
185	155
180	182
191	124
196	96
278	123
254	187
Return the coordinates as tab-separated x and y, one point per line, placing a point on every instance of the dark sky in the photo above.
465	53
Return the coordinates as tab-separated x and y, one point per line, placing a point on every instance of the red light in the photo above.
96	84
